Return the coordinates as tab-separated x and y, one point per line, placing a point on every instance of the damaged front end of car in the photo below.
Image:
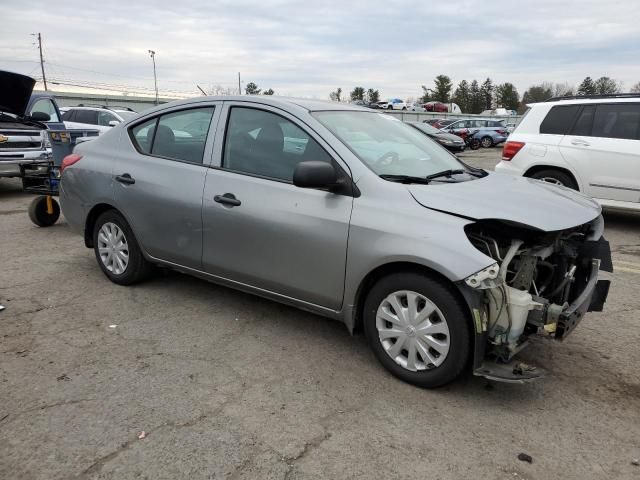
542	283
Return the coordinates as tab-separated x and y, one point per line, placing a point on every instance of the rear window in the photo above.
560	119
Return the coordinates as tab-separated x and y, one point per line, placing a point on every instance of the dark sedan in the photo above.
447	140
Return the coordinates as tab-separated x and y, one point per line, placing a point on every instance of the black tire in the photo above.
475	144
486	141
553	175
389	107
137	268
38	211
454	312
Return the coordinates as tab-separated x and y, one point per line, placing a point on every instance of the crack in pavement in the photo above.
47	407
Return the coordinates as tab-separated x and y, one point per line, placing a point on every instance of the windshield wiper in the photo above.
444	173
404	179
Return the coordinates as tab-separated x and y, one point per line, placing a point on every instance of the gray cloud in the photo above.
310	48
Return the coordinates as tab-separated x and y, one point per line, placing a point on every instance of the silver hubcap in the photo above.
552	180
113	248
486	142
412	330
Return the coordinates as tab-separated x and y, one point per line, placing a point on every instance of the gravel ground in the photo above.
226	385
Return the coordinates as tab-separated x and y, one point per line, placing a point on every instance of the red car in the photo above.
435	107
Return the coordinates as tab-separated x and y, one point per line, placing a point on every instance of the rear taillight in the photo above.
510	149
69	160
501	132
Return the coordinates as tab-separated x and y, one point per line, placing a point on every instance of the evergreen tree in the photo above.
476	98
587	87
373	96
357	93
487	90
462	96
507	96
252	89
442	90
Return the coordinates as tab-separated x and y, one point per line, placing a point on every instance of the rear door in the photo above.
159	180
274	236
604	145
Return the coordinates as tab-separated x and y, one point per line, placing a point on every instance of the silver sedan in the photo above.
347	213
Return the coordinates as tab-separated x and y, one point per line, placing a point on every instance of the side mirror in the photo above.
313	174
40	116
113	123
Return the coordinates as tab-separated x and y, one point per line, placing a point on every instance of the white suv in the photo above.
100	118
590	144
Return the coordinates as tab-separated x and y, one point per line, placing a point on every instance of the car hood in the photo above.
521	200
15	91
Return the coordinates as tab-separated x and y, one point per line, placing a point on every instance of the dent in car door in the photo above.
158	185
273	235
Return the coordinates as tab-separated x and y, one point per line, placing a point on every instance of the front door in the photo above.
158	183
260	229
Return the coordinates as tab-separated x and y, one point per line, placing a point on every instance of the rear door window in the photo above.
180	135
584	123
560	119
620	120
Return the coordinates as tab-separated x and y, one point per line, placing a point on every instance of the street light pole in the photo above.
152	54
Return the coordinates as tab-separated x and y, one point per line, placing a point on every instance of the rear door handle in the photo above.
580	142
227	199
126	179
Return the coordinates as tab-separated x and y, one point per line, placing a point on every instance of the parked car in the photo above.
499	112
416	107
435	107
101	118
490	137
369	222
590	144
25	118
393	104
490	132
447	140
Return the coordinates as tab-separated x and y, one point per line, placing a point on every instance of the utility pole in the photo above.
44	78
239	87
152	53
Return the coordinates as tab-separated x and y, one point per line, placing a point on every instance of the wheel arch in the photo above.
538	168
354	323
90	221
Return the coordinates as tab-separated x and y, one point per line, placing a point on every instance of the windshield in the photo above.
387	145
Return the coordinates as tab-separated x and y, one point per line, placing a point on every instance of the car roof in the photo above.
578	100
311	105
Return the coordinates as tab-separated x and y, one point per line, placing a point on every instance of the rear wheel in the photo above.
486	142
556	177
117	251
44	211
417	329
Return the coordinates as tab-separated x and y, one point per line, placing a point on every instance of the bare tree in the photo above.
220	90
635	88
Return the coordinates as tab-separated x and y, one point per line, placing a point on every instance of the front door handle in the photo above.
228	199
580	142
126	179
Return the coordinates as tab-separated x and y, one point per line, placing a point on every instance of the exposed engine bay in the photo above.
541	283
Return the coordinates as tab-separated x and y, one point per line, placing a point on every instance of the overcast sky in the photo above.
307	48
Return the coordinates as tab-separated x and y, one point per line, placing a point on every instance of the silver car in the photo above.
347	213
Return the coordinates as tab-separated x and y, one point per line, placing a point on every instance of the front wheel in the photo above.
418	329
117	251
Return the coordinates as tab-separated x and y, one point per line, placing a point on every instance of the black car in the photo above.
447	140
